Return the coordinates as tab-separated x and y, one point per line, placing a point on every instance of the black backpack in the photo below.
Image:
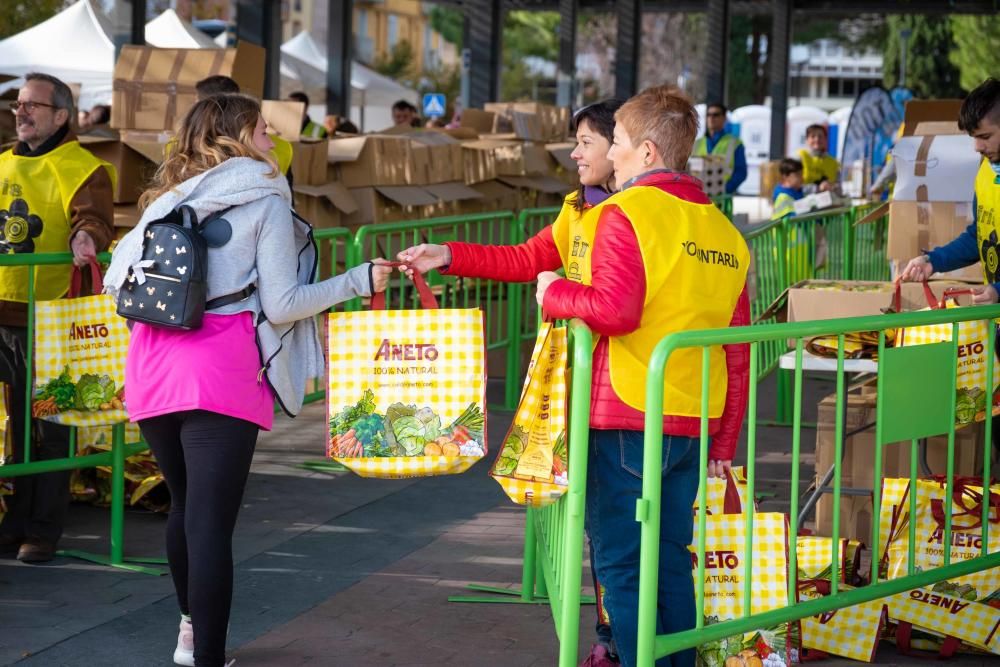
168	287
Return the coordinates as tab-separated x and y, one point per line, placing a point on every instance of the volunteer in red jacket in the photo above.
659	258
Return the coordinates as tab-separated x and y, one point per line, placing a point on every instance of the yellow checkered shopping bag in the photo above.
406	389
965	506
851	632
953	617
972	401
531	466
79	362
718	489
725	541
813	557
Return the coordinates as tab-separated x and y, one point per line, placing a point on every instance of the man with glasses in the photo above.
54	196
716	141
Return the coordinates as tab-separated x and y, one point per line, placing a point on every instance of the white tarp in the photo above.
372	95
170	31
74	45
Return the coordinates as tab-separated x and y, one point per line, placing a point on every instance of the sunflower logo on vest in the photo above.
18	228
990	254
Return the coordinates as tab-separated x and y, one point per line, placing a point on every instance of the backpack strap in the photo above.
220	301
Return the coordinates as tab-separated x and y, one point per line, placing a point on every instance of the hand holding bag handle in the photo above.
932	300
427	299
76	280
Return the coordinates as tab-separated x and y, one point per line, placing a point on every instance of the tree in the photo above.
19	15
528	34
398	63
977	42
448	23
928	73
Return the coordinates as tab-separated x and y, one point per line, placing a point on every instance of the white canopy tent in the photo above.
303	65
170	31
74	45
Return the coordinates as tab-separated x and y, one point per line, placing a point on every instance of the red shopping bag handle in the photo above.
76	280
932	300
903	630
731	503
427	298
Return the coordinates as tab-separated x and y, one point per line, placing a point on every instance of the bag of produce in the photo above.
531	467
406	389
79	362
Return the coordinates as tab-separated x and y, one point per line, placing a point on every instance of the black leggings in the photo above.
205	458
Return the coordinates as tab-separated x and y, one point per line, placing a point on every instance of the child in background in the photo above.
820	170
790	189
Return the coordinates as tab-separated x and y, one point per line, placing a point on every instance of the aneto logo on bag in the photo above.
953	605
81	331
389	351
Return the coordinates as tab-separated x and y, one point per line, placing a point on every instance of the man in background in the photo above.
716	141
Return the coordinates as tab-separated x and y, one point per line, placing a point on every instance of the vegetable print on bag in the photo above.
406	390
80	348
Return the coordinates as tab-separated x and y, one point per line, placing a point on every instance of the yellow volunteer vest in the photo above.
314	131
282	152
815	169
987	221
725	147
35	197
683	244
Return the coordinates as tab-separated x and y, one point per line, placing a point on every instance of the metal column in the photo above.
566	76
717	54
781	39
128	18
138	35
339	53
485	21
259	22
629	13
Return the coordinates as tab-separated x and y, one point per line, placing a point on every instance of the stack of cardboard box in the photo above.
711	171
153	89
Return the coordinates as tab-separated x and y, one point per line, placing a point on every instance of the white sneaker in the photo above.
184	653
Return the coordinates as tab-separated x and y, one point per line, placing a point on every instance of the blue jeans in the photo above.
614	483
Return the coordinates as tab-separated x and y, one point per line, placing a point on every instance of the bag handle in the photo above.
932	300
76	280
427	298
731	503
903	630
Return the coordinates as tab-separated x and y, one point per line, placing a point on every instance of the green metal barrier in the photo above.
530	222
115	459
499	301
902	377
870	262
725	204
767	280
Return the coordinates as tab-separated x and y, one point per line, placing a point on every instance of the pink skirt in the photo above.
214	368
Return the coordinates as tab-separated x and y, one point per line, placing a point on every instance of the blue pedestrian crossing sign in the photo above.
434	104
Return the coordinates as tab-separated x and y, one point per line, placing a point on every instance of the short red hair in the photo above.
665	116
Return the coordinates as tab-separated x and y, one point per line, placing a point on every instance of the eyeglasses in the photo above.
29	107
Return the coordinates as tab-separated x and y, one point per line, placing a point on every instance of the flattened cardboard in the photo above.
561	151
324	206
152	145
126	216
919	111
939	168
133	170
482	122
545	184
309	162
832	299
916	227
449	192
407	195
370	160
932	127
283	117
153	87
388	204
479	161
435	158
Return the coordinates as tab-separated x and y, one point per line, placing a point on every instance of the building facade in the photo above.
827	75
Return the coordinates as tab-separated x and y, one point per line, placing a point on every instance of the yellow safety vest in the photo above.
700	250
282	152
988	221
726	147
815	169
35	198
314	131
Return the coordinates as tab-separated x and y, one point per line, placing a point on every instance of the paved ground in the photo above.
331	570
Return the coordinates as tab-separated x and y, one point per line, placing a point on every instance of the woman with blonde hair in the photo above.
201	396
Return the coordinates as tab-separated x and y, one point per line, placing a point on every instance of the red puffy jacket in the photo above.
612	306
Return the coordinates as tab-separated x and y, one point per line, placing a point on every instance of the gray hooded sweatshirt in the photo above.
269	248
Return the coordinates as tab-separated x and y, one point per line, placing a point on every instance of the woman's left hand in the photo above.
719	468
545	278
381	271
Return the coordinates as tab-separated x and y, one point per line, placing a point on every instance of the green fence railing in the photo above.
114	459
900	370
